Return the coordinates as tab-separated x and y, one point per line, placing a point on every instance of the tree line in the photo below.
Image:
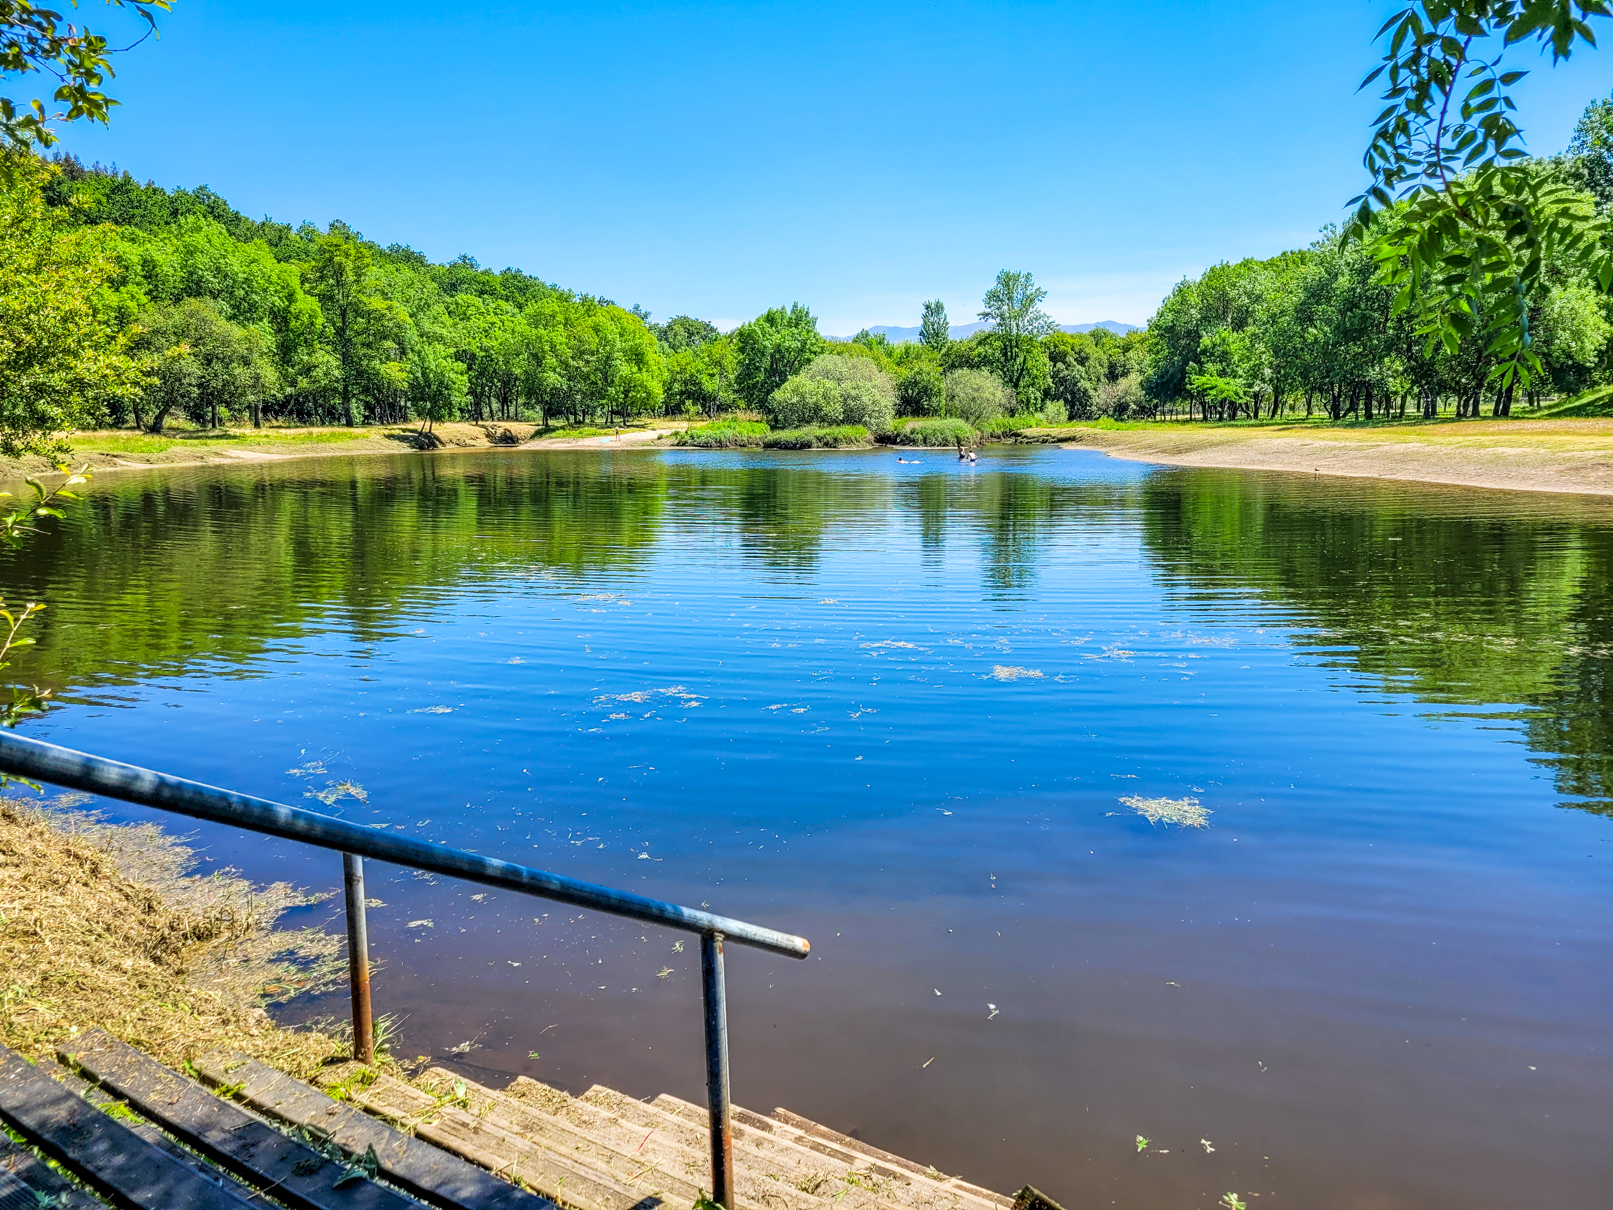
128	304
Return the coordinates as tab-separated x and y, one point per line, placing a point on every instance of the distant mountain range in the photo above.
899	336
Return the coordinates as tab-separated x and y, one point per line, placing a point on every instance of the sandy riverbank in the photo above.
119	450
1570	455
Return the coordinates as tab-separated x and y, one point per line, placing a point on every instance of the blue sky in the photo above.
718	159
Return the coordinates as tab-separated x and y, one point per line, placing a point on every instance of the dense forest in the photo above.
128	304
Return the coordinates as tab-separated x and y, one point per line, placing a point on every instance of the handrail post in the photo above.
358	960
716	1002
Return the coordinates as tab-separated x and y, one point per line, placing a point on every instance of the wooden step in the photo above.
223	1132
105	1154
671	1147
867	1174
451	1126
857	1147
22	1167
763	1165
145	1129
641	1168
424	1171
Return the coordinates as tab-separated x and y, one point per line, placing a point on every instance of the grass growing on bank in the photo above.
932	431
814	437
105	927
750	434
724	434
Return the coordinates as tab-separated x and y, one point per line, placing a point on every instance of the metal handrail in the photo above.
34	759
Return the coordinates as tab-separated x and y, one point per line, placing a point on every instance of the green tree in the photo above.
340	276
1590	154
202	363
919	391
934	331
34	39
1458	219
1013	309
977	396
771	348
63	359
702	378
437	385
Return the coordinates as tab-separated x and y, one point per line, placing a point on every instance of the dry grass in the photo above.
103	925
1183	811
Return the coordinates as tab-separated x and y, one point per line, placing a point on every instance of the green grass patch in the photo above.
932	431
134	443
814	437
313	436
1598	401
724	435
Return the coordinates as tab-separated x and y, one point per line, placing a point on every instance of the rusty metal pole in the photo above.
722	1136
358	960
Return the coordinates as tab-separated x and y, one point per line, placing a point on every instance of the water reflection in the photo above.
1457	598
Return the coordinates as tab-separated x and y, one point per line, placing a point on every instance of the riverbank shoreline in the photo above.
1572	456
1564	456
125	928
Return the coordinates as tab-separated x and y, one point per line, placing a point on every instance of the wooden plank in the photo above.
82	1089
647	1170
426	1172
224	1132
490	1145
23	1165
819	1131
103	1153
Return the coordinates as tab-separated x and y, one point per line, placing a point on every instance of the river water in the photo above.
896	708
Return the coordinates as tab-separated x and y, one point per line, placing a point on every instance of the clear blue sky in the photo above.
715	160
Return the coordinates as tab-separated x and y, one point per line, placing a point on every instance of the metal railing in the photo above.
38	761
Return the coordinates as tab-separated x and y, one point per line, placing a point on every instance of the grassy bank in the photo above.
750	434
104	925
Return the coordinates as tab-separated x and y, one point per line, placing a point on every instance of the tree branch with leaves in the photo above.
1459	219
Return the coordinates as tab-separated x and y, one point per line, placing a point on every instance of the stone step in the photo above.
562	1177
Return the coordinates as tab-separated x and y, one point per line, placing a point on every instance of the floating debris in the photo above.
433	710
1004	672
338	789
1184	812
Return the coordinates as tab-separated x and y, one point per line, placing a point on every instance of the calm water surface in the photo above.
895	708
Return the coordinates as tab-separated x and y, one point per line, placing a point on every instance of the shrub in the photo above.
920	391
805	401
817	437
723	434
1120	399
836	389
1054	412
934	432
977	396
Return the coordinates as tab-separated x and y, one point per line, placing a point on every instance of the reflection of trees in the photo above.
148	576
1450	597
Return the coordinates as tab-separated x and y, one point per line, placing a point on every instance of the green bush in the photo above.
804	401
723	434
933	431
817	437
867	393
977	396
